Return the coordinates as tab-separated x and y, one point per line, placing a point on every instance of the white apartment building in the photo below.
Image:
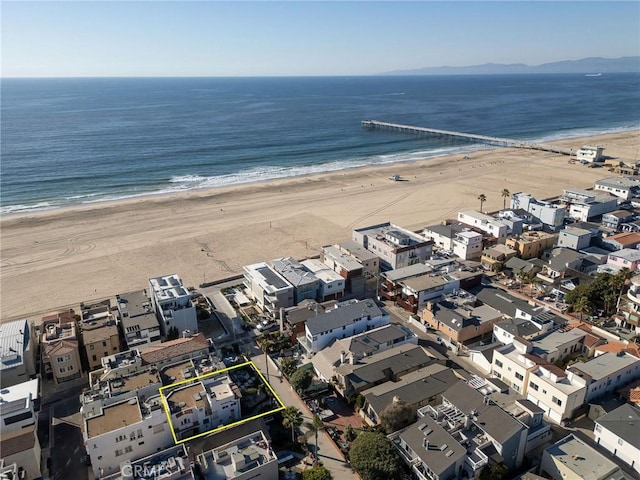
589	153
617	431
124	431
396	247
558	392
546	212
492	226
513	363
606	373
18	406
585	204
270	290
345	320
170	464
331	285
173	305
17	353
467	245
248	457
622	187
203	406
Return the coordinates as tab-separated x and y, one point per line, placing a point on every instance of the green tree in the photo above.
505	194
581	306
316	473
288	366
292	418
374	458
483	198
497	471
315	426
265	343
301	379
397	415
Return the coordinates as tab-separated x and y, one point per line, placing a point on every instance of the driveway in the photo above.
67	444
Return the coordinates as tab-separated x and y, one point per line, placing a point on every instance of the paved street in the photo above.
328	452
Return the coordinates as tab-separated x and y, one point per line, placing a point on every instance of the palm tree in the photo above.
264	343
483	198
314	426
292	418
505	194
581	306
619	281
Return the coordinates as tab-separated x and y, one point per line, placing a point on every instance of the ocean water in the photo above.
71	141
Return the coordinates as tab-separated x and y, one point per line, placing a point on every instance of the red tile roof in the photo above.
173	348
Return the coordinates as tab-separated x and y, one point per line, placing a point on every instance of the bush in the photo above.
316	473
374	457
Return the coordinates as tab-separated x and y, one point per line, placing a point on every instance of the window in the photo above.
91	347
557	401
18	418
94	357
118	453
598	427
499	363
70	368
158	428
128	449
519	376
534	386
62	370
104	344
620	441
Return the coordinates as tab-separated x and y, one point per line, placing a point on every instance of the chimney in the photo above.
343	358
425	443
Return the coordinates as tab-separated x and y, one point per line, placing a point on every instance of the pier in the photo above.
495	141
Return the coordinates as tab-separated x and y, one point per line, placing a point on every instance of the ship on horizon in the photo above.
593	74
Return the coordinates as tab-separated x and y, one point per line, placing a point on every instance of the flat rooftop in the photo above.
114	417
581	459
192	396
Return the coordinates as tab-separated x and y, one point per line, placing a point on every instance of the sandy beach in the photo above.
63	257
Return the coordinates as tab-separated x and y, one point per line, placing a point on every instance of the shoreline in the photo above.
132	198
93	251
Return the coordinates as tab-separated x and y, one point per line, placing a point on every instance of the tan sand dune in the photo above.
60	258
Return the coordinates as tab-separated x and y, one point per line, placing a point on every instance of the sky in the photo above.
300	38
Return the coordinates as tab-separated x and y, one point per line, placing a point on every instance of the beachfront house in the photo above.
17	352
396	247
137	320
268	288
589	154
60	348
173	306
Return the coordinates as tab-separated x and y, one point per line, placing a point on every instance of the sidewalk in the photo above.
328	452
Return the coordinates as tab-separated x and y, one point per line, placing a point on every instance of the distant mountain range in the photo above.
583	66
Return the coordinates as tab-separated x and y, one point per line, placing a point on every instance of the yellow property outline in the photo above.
222	427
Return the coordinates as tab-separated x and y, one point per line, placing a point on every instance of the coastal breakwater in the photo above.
487	140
